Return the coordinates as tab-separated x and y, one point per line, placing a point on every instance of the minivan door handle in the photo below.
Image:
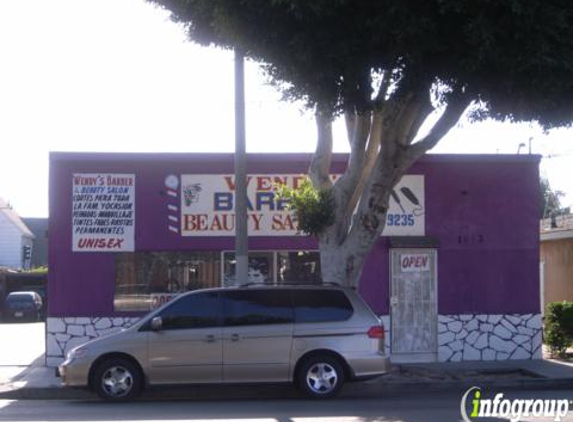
235	337
210	338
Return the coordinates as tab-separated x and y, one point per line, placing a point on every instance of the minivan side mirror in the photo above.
156	323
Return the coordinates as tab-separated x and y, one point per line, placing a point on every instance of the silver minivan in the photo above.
314	336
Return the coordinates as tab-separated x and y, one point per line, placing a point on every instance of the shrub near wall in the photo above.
559	327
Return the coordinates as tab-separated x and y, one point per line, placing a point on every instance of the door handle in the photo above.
235	337
210	338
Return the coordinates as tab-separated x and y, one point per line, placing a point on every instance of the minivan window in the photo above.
21	301
257	307
321	306
200	310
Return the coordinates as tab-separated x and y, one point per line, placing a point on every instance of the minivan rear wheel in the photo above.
320	377
117	379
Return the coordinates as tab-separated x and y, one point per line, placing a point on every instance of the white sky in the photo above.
117	75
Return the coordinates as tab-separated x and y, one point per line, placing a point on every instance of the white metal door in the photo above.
414	310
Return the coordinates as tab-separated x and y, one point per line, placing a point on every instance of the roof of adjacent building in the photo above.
6	210
562	228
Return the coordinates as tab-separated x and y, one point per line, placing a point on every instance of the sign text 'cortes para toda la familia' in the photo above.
208	203
103	212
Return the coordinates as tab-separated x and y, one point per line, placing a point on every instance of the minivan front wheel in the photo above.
117	379
320	376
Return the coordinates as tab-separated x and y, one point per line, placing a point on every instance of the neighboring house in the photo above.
556	259
16	239
39	227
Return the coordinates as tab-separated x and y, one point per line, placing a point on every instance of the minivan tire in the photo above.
117	379
320	377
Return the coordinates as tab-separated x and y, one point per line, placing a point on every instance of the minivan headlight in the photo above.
77	353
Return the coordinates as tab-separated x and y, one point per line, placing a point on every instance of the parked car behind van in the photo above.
22	306
315	337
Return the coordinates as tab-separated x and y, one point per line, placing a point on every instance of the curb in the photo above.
363	390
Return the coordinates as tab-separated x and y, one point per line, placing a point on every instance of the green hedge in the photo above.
559	326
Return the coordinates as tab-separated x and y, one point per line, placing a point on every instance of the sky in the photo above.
119	76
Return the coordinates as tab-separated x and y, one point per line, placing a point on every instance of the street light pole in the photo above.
241	228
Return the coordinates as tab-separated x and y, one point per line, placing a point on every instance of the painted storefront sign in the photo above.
103	212
207	206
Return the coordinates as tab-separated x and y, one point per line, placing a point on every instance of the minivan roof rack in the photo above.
291	283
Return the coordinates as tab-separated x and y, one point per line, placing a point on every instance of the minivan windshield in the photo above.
19	298
19	301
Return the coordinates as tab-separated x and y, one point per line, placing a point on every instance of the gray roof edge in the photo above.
556	235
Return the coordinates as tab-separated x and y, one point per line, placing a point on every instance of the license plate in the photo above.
18	314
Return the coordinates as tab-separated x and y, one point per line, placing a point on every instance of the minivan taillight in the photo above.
376	331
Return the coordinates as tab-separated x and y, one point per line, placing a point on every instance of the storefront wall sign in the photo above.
208	203
103	212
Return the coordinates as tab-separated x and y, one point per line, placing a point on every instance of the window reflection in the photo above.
146	280
298	267
261	268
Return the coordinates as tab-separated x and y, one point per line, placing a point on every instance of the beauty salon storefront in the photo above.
454	276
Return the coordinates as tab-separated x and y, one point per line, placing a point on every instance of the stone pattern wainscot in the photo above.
489	337
63	334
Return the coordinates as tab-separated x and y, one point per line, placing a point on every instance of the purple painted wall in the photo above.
482	209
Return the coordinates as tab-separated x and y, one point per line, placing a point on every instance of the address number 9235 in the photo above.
400	219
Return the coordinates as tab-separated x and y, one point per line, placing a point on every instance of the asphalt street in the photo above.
429	407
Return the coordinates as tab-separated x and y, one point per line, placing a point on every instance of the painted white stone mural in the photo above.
63	334
460	337
489	337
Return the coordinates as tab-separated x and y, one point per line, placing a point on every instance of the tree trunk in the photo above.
340	264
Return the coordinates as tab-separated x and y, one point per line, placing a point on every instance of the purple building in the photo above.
454	277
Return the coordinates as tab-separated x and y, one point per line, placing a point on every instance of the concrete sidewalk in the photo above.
37	381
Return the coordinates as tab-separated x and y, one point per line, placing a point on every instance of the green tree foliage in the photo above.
558	327
313	208
515	57
551	200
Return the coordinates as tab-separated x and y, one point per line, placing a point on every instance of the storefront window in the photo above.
298	267
146	280
261	268
282	267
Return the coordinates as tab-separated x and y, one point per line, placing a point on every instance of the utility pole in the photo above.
241	227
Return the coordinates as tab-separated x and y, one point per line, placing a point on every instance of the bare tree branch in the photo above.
350	120
456	107
418	107
346	186
394	160
319	170
374	139
361	125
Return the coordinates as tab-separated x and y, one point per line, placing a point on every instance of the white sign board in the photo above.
207	206
406	213
103	212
